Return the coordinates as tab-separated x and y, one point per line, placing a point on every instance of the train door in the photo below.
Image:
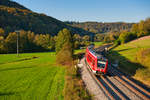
93	64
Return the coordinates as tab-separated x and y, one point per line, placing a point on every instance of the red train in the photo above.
97	62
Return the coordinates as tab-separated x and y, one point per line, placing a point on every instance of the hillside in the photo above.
134	58
98	27
9	3
14	16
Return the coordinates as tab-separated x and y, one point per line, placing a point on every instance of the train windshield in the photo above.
101	64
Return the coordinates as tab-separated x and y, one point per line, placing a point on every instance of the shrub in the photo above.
64	56
74	86
143	57
126	37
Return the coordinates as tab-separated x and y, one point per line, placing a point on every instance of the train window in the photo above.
93	62
89	58
101	64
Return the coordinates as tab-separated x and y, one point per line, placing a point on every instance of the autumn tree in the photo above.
142	28
11	41
86	40
23	41
99	37
2	32
64	47
126	37
77	40
63	37
2	43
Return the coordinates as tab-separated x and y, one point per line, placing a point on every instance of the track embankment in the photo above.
112	86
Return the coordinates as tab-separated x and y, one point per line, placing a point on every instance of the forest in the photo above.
99	27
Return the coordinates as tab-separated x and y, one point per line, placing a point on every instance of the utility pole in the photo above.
17	31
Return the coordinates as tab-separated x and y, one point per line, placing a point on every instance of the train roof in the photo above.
93	51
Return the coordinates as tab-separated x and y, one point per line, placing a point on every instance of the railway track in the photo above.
126	90
113	92
138	90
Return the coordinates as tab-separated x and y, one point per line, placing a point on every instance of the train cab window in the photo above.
101	64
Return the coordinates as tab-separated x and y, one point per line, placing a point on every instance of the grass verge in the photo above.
74	86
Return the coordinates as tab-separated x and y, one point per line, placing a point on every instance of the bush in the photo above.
64	48
74	86
64	56
143	57
126	37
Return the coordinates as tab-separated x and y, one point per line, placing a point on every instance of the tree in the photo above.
23	40
76	37
64	56
135	28
44	41
99	37
86	38
126	37
147	26
77	40
64	47
2	32
142	28
63	37
2	49
11	41
107	38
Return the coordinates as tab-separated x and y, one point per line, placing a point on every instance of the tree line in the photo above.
28	42
137	30
31	42
99	27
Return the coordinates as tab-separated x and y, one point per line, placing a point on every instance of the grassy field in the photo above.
31	76
126	54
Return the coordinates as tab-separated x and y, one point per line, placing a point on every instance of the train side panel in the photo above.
91	59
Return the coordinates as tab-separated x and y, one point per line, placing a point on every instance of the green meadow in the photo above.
31	76
127	55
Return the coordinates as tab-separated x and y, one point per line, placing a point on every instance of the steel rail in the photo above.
117	92
131	88
99	83
131	82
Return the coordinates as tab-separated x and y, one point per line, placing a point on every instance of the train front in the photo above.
102	64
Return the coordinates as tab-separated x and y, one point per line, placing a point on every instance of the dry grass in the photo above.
143	58
74	86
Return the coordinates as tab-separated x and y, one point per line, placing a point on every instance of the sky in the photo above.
91	10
